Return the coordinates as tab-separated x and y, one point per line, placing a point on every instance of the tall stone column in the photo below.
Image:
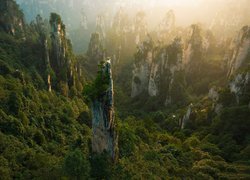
103	122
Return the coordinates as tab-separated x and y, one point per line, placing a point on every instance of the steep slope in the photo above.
11	19
38	128
45	125
103	113
156	70
238	55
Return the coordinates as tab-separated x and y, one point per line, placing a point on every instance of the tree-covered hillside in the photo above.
188	121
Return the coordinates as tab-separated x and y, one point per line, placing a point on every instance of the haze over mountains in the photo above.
78	13
125	89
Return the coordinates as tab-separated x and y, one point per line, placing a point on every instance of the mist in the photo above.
81	16
186	11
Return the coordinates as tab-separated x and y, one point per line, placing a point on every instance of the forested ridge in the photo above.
172	122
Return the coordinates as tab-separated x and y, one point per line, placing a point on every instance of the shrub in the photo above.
39	138
101	166
76	165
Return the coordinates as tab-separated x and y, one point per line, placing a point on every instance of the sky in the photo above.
186	11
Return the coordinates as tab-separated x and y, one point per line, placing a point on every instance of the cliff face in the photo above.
155	69
142	68
186	117
194	51
58	40
238	63
42	28
103	122
62	60
239	52
57	64
240	87
11	18
95	50
225	27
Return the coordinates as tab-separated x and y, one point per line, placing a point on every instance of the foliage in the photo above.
45	135
101	166
37	127
95	90
76	165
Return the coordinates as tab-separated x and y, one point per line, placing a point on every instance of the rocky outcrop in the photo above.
103	122
194	50
155	69
142	68
61	60
47	63
11	18
58	40
42	28
238	63
240	86
239	52
236	93
224	27
214	95
186	117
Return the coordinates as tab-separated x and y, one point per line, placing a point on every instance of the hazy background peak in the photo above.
81	16
186	11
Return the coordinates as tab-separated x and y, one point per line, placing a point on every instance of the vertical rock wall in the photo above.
239	52
11	18
103	122
155	68
58	40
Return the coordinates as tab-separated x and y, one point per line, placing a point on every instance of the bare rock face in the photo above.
58	40
213	94
194	50
238	63
47	63
103	122
239	53
142	68
155	69
61	60
240	86
225	27
186	117
11	18
42	27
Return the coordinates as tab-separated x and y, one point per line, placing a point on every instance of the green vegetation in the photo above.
37	131
95	90
47	135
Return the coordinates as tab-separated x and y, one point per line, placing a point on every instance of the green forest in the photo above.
171	120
